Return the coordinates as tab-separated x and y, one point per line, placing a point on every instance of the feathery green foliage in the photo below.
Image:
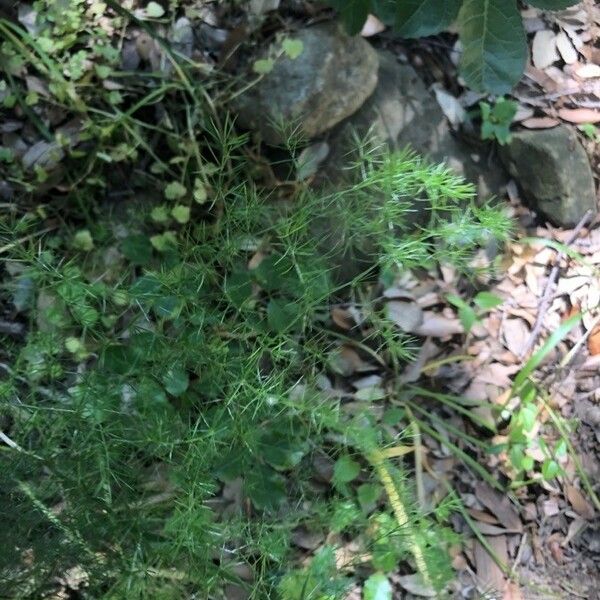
162	418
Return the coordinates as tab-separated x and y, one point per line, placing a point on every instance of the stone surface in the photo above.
328	82
553	171
402	112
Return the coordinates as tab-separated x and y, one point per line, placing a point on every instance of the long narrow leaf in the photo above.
541	354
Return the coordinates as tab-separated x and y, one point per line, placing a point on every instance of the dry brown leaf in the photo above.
415	368
540	123
550	507
489	529
459	563
372	26
482	516
530	511
543	49
367	382
450	105
533	275
594	342
438	326
556	551
416	586
307	540
342	318
579	503
512	592
523	112
515	333
579	115
406	315
488	572
575	527
568	285
346	361
499	505
523	314
565	48
395	293
497	374
588	71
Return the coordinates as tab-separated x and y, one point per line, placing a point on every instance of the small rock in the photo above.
553	170
402	112
328	82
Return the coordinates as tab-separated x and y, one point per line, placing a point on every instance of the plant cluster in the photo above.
494	45
163	416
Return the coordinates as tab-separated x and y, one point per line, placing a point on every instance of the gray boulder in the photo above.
328	82
553	171
402	113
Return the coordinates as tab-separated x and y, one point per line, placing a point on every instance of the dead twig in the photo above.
568	359
549	288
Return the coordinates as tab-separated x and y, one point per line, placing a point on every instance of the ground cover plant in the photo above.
164	416
493	38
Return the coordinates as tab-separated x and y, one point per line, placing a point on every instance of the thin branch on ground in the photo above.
549	288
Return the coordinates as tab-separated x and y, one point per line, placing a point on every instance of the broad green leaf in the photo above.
176	380
527	417
181	213
505	110
494	44
467	317
73	345
137	249
370	394
385	10
377	587
466	314
265	487
344	516
164	241
550	469
146	287
274	272
160	214
167	307
238	287
293	48
262	66
86	315
83	240
487	300
368	494
552	4
282	452
527	463
154	10
354	13
417	18
281	314
393	416
345	470
175	190
548	346
560	450
200	193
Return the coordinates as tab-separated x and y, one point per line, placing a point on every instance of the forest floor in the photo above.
529	492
